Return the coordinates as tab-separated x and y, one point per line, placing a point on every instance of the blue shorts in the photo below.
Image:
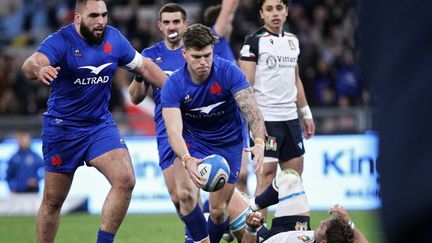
232	154
284	140
65	147
166	154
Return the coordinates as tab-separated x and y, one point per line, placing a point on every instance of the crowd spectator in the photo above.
24	167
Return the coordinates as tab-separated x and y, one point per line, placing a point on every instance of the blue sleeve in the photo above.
236	77
54	47
127	51
171	93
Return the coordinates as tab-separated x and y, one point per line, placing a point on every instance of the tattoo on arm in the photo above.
246	101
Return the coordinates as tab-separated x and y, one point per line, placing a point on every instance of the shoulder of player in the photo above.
151	50
222	64
290	35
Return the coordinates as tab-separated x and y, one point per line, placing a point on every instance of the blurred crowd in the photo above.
326	30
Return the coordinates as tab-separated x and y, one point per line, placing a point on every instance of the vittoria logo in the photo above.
216	88
56	160
271	61
107	48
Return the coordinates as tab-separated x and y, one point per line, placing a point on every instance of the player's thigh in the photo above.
108	153
238	205
170	181
220	199
185	188
268	173
56	187
294	163
116	166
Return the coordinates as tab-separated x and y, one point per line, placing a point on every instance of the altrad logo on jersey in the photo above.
206	111
96	79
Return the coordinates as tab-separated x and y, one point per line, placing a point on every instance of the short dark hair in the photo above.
172	8
211	14
261	3
198	36
80	3
339	231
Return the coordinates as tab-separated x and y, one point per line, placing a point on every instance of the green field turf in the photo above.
143	228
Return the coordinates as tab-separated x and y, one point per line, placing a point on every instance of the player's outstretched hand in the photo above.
192	169
254	220
309	128
47	74
340	211
258	152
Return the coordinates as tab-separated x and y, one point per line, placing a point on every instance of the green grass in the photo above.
151	228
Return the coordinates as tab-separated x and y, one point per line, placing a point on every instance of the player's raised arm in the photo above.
37	66
246	101
223	25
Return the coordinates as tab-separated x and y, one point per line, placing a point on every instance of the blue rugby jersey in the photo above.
223	49
168	61
82	89
210	113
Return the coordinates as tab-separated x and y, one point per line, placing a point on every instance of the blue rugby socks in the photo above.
216	231
267	198
196	224
105	237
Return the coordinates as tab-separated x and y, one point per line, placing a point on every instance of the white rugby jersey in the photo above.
276	57
292	237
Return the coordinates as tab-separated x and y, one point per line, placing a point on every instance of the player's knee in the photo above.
125	181
218	215
186	196
53	204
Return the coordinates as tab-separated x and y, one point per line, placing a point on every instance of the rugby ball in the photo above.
215	171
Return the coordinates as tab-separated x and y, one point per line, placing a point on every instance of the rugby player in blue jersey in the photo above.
201	104
167	55
79	62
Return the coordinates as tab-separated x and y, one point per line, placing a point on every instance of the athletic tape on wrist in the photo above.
306	112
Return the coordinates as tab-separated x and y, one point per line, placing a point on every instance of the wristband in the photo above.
250	230
351	224
306	112
259	142
184	158
139	78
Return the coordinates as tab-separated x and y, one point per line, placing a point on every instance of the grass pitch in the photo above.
147	228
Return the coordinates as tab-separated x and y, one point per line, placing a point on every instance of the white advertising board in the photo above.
338	169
